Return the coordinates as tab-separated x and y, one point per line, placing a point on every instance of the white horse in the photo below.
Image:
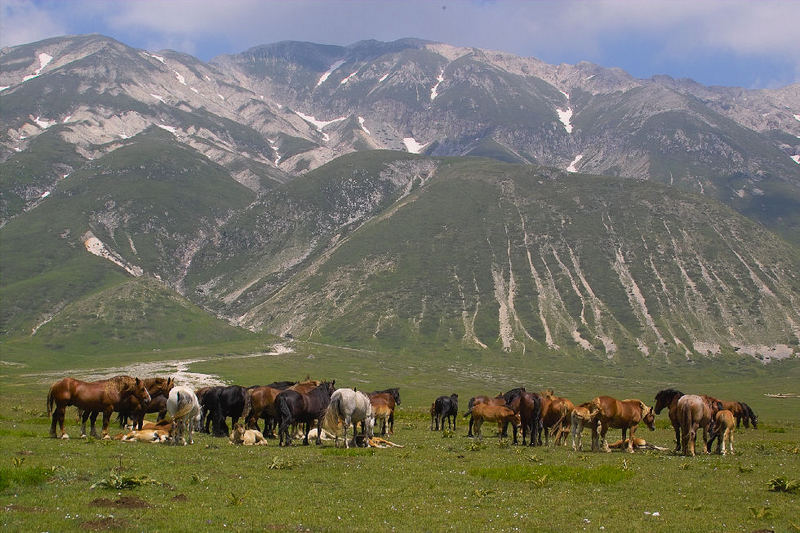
351	407
183	407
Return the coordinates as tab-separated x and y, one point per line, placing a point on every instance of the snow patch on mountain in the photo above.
44	60
170	129
797	117
157	97
565	116
361	123
412	145
4	88
179	77
43	123
328	72
158	58
571	167
382	78
96	247
796	158
435	89
319	124
273	143
348	78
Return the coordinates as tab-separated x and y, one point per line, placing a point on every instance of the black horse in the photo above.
223	402
445	408
294	407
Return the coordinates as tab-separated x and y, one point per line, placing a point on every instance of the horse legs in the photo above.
603	442
391	423
93	420
58	418
471	423
629	449
477	428
677	438
706	431
84	417
106	419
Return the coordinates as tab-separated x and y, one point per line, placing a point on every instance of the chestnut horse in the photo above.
669	398
696	411
582	415
158	388
389	398
624	415
742	413
556	411
260	403
722	430
92	396
501	414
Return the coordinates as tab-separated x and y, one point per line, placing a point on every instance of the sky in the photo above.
751	44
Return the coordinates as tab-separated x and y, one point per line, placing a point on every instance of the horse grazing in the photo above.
184	409
742	413
387	398
92	397
722	430
500	414
669	398
582	415
503	399
223	402
696	411
529	407
624	415
260	403
296	407
445	408
351	407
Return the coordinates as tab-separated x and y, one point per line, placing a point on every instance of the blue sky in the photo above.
716	42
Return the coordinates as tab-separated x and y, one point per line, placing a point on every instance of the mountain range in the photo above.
392	195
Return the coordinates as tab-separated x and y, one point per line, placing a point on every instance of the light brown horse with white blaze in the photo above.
624	415
694	412
101	396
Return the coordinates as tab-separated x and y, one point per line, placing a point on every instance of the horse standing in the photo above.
582	415
501	414
296	407
556	412
722	430
158	388
385	399
669	398
93	397
742	413
445	407
696	411
184	409
624	415
351	407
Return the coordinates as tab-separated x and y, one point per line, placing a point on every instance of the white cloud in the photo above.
24	22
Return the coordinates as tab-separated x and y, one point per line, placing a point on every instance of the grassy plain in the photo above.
438	481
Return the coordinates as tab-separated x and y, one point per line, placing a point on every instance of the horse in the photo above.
696	411
146	435
382	409
582	415
260	403
624	415
295	407
92	396
246	437
669	398
158	388
556	415
184	409
500	400
445	408
742	413
351	407
722	430
222	402
392	399
529	407
501	414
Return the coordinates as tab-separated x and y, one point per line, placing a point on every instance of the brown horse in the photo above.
742	413
582	415
483	412
722	431
669	398
624	415
158	388
556	411
529	407
92	396
260	403
391	399
696	411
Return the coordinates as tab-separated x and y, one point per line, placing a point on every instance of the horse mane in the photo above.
749	413
668	393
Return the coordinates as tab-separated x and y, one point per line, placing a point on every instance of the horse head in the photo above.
665	397
648	416
140	391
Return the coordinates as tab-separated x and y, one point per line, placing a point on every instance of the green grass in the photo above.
431	484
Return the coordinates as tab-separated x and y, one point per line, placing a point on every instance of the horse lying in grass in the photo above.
145	435
184	409
103	396
638	444
445	408
351	407
722	430
494	413
625	415
696	411
246	437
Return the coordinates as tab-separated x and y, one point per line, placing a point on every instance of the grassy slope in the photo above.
434	483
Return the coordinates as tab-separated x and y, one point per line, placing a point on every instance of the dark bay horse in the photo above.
625	415
445	408
669	398
298	407
158	388
696	411
529	407
103	396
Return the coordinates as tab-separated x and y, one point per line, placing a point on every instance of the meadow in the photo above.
438	481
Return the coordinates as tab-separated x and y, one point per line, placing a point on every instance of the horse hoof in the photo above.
83	435
106	437
65	436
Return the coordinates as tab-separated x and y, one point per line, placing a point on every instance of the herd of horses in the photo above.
317	408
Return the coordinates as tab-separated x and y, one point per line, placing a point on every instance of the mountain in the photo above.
396	194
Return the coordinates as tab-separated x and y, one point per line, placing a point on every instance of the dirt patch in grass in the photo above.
123	502
180	498
104	524
22	508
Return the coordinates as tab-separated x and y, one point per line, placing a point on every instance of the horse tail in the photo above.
50	401
330	421
248	405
